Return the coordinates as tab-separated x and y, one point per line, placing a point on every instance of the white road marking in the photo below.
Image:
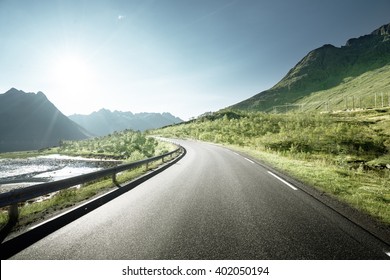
249	160
235	153
285	182
387	253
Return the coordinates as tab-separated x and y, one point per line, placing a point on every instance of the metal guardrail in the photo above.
16	196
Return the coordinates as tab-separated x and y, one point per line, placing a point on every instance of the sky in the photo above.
186	57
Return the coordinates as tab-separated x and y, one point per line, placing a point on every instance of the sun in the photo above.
71	70
72	78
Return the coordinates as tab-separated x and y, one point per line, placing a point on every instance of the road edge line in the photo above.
282	180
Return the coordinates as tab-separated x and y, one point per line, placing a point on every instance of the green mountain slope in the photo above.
334	72
368	90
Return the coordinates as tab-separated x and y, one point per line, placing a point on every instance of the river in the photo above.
24	172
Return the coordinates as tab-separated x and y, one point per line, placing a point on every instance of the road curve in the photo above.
212	204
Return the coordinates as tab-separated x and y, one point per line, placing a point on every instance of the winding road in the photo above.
212	204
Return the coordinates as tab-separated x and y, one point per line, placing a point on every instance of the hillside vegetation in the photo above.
368	90
329	76
126	145
344	154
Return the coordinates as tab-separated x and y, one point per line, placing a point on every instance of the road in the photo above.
212	204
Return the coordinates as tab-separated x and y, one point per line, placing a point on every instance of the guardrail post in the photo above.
114	179
13	213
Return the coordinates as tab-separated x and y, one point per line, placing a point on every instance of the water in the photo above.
20	173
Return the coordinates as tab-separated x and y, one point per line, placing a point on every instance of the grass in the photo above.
27	154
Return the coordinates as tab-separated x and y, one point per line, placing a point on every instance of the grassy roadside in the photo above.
35	211
27	154
344	154
365	191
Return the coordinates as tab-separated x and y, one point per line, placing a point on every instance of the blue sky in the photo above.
180	56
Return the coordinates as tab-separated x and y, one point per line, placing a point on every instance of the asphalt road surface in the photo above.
212	204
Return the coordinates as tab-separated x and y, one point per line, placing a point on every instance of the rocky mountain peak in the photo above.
30	121
382	31
14	91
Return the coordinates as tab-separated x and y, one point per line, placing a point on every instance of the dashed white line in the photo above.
280	179
249	160
276	176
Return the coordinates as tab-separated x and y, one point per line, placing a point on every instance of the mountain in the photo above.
30	121
104	121
332	72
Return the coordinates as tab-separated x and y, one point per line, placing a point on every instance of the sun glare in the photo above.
71	70
73	79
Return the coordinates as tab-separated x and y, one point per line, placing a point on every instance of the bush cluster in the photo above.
126	145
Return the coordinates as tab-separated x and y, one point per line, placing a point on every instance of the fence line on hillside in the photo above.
347	102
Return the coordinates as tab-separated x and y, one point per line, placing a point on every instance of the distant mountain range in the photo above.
30	121
104	121
357	70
